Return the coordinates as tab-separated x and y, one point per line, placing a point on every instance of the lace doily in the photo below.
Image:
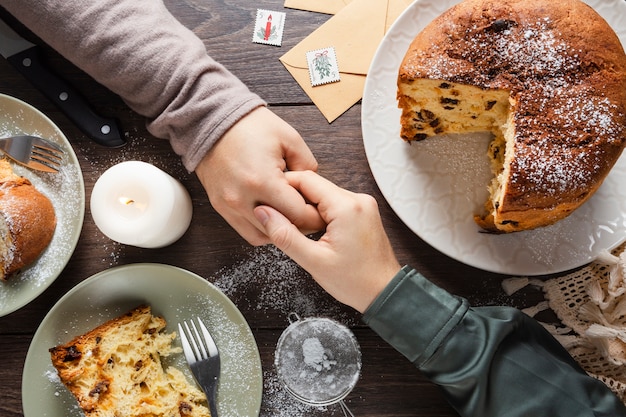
591	305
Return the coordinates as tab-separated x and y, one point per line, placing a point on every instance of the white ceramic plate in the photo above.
173	293
436	186
67	193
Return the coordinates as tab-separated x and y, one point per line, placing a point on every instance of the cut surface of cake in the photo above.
115	370
548	79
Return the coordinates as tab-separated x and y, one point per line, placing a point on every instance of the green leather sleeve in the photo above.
489	361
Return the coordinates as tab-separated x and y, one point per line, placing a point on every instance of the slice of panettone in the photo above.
115	370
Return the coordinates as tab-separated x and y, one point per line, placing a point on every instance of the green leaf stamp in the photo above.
323	66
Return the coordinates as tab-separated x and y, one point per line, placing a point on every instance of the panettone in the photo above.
27	221
548	79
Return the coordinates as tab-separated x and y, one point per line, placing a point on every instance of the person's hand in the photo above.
246	167
353	261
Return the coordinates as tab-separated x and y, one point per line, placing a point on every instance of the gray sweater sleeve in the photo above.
489	361
138	50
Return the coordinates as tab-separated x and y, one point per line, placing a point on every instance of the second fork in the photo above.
203	358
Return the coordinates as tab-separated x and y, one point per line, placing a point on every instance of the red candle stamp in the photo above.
268	28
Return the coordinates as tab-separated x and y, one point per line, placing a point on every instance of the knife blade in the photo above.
24	57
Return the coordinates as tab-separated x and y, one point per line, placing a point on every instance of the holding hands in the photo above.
260	177
246	167
353	261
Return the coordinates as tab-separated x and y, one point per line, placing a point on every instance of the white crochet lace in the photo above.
591	305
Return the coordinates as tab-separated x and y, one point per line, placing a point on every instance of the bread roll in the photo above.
27	222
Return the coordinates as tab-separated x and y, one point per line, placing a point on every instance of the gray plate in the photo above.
65	190
175	294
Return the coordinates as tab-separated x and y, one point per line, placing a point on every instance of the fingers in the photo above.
237	208
319	192
312	186
284	234
298	156
353	259
286	199
247	168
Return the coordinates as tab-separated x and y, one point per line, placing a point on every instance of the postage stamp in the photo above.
268	27
323	66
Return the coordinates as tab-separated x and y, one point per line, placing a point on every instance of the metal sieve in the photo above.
318	360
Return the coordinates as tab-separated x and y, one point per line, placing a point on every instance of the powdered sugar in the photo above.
277	402
595	115
275	276
540	52
315	355
531	51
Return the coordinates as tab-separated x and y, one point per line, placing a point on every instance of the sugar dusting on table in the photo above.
268	281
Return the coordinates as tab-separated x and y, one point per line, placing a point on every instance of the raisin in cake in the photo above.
548	79
115	370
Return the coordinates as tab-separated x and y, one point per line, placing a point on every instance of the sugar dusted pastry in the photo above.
548	79
27	222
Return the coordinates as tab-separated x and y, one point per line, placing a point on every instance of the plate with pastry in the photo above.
41	213
495	129
110	347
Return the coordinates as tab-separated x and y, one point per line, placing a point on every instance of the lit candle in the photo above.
137	204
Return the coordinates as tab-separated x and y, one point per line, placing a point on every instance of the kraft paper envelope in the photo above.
355	33
320	6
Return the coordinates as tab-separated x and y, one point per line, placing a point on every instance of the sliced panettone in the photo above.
115	370
548	79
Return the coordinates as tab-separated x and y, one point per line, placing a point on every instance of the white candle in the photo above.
137	204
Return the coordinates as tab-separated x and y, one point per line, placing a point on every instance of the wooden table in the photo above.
389	384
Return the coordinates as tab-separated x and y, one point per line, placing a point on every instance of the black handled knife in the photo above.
24	56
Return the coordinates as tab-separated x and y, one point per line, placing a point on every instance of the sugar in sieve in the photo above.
318	360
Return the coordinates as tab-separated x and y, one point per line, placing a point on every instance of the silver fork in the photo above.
33	152
203	358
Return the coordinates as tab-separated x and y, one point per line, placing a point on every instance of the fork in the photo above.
203	358
33	152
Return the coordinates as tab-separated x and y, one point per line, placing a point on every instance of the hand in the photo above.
353	261
246	167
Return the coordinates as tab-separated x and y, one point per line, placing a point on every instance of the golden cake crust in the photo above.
27	221
565	71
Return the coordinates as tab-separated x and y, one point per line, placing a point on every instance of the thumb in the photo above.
283	234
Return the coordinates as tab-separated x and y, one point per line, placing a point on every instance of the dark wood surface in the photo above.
389	384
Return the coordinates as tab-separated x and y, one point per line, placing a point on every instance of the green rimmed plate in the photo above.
175	294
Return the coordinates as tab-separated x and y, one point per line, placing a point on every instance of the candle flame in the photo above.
126	201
